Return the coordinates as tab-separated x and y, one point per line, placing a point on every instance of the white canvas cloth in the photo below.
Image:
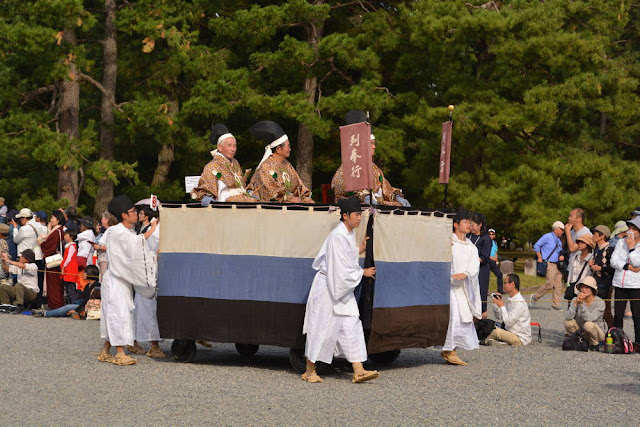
465	301
332	322
127	255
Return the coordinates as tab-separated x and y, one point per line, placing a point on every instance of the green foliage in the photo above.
547	113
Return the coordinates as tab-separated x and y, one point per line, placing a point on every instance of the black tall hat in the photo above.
267	131
348	205
356	116
119	205
217	131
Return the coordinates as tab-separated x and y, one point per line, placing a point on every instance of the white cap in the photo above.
25	213
557	224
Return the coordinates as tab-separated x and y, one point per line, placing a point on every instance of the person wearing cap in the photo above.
129	263
619	232
222	179
626	279
27	237
464	295
585	312
494	264
26	289
331	321
634	213
383	192
85	240
574	229
602	270
547	249
579	266
275	179
3	211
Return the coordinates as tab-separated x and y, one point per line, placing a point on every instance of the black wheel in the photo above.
385	357
183	350
247	349
298	360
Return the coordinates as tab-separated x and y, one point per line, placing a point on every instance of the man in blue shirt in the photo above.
548	248
495	263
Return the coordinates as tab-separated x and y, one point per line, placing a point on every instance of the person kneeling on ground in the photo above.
26	289
76	309
514	314
585	312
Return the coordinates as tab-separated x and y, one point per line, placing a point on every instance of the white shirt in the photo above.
27	238
27	276
85	245
515	315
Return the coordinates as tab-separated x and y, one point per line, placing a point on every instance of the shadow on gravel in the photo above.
633	387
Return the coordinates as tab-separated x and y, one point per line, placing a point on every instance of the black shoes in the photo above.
18	310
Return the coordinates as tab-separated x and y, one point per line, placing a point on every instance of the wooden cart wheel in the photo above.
385	358
298	360
247	349
183	350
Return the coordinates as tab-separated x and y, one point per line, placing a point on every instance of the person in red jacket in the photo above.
70	265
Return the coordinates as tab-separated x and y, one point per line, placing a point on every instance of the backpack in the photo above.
576	341
621	342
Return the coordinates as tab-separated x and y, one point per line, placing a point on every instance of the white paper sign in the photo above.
191	182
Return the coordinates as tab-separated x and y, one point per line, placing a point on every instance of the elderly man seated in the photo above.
222	179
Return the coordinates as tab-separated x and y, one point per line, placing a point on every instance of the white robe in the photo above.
465	301
331	320
145	313
126	253
85	245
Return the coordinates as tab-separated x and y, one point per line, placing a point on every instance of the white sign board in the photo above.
191	182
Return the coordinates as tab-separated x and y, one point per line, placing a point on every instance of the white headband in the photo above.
373	138
267	150
223	137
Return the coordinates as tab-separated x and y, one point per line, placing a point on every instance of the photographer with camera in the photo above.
514	314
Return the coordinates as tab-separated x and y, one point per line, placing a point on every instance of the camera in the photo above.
496	295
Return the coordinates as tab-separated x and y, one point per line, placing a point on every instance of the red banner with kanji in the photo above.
445	153
357	169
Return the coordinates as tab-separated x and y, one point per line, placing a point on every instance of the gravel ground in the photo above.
54	378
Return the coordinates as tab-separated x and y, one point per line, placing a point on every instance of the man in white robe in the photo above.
145	313
465	302
130	265
331	322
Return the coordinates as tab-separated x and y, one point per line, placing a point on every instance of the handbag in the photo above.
576	341
570	292
54	261
541	267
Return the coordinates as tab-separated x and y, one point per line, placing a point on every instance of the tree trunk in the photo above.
107	116
69	123
167	151
304	165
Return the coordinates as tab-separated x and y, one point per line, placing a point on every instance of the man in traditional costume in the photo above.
465	302
130	265
145	313
222	179
331	322
383	192
275	179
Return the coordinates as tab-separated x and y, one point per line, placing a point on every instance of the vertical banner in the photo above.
355	141
445	153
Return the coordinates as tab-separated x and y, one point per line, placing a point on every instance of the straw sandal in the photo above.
135	349
156	353
105	357
365	376
312	378
123	360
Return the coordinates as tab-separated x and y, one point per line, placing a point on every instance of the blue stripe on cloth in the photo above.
235	277
405	284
